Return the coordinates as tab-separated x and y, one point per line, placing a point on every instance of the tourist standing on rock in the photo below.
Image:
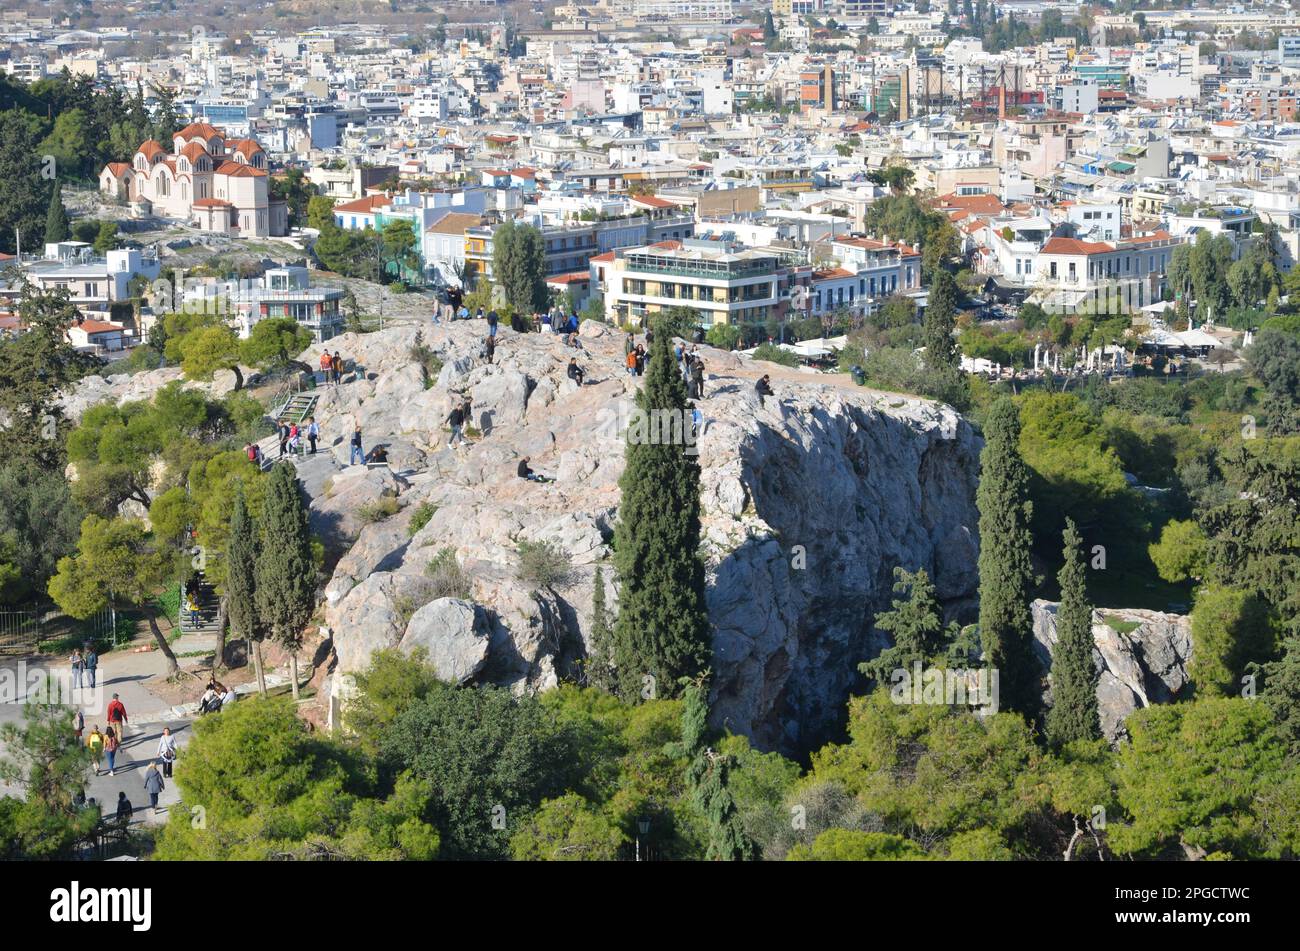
91	662
357	456
326	365
295	441
153	785
77	664
111	744
284	437
493	320
697	378
456	419
336	365
640	360
575	372
628	345
490	345
117	716
763	388
631	362
167	751
78	723
95	743
313	432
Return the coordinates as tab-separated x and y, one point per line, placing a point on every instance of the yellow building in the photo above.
722	284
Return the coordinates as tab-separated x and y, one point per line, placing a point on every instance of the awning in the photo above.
1121	167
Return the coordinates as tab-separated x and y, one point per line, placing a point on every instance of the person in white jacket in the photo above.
167	751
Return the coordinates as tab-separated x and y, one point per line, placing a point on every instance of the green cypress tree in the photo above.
285	592
938	323
56	220
600	660
1073	715
663	627
241	582
1006	573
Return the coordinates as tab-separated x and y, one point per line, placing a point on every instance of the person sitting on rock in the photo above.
763	388
525	471
575	372
377	455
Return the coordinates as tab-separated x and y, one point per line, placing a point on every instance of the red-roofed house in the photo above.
1122	275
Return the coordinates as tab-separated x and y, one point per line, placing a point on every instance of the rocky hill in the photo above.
809	503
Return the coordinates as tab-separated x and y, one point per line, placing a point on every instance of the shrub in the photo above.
379	509
420	517
544	565
774	354
449	579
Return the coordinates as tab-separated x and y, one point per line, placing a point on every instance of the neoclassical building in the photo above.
215	183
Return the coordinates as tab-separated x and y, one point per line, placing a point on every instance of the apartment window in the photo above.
1073	272
1052	269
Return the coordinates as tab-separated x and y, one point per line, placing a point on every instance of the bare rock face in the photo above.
1141	655
809	503
455	636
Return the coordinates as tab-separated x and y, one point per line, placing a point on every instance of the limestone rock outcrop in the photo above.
1141	655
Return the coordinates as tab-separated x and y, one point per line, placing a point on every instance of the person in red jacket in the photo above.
117	716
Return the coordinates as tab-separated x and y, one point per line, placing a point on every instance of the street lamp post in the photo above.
642	830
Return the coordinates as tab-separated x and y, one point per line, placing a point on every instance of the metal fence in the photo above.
23	629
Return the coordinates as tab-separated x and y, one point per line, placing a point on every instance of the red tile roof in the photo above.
364	206
1075	246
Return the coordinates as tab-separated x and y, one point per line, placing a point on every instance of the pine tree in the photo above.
286	575
1006	573
56	220
600	660
939	321
662	629
915	623
1073	715
241	583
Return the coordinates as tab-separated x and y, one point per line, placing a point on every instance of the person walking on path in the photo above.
284	437
153	785
124	808
117	717
313	433
167	751
631	361
78	665
95	743
628	345
492	320
92	665
78	723
490	344
111	745
358	457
